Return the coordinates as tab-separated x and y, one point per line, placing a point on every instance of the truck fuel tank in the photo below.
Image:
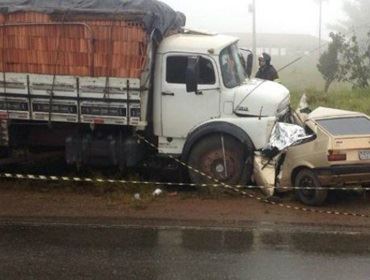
107	151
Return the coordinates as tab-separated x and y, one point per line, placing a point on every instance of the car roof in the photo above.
329	113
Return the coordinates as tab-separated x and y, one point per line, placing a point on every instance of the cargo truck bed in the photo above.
114	101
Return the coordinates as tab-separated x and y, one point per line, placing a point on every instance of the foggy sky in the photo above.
273	16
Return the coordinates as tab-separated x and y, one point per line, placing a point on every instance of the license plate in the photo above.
364	155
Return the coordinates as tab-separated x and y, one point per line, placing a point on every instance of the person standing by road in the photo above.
266	70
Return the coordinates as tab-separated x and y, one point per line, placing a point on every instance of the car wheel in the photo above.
308	188
223	158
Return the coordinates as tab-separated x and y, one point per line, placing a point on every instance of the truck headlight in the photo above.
269	127
283	106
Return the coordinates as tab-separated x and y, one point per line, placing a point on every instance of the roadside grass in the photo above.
346	99
303	77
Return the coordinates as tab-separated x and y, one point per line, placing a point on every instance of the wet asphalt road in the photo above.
72	251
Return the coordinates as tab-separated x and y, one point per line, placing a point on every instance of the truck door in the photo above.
181	110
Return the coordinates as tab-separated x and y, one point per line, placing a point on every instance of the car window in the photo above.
176	70
346	126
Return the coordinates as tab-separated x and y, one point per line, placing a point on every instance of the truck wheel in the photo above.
222	158
312	197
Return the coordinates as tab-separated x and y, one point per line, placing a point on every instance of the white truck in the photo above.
193	100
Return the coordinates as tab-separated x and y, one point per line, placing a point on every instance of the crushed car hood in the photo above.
261	98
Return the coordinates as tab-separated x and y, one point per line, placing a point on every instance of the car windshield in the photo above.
346	126
233	72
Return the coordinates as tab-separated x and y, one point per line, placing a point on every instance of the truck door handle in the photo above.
168	93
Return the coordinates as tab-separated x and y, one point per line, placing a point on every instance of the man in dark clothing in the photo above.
266	71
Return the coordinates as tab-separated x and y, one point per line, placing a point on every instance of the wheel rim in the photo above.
213	164
307	184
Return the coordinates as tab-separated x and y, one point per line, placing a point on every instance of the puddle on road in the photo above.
196	240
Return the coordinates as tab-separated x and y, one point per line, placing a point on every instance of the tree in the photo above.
357	21
329	64
355	63
347	61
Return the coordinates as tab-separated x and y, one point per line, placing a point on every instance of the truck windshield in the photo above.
233	72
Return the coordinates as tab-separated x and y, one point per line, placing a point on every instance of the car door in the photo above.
182	110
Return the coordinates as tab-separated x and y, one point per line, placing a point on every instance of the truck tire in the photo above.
209	156
308	179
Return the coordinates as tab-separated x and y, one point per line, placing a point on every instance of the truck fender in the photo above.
215	128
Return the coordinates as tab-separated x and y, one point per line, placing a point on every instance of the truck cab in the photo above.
207	111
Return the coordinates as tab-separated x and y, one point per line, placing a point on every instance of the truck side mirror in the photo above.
247	56
249	65
192	74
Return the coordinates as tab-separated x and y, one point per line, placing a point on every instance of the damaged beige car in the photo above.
336	152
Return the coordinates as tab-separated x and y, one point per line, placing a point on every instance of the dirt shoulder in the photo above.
173	207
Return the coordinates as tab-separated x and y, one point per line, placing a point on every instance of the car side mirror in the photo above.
192	74
248	57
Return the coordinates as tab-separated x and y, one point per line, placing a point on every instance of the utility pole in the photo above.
320	3
320	25
252	9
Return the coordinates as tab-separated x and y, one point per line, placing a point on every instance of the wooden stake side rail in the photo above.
87	100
